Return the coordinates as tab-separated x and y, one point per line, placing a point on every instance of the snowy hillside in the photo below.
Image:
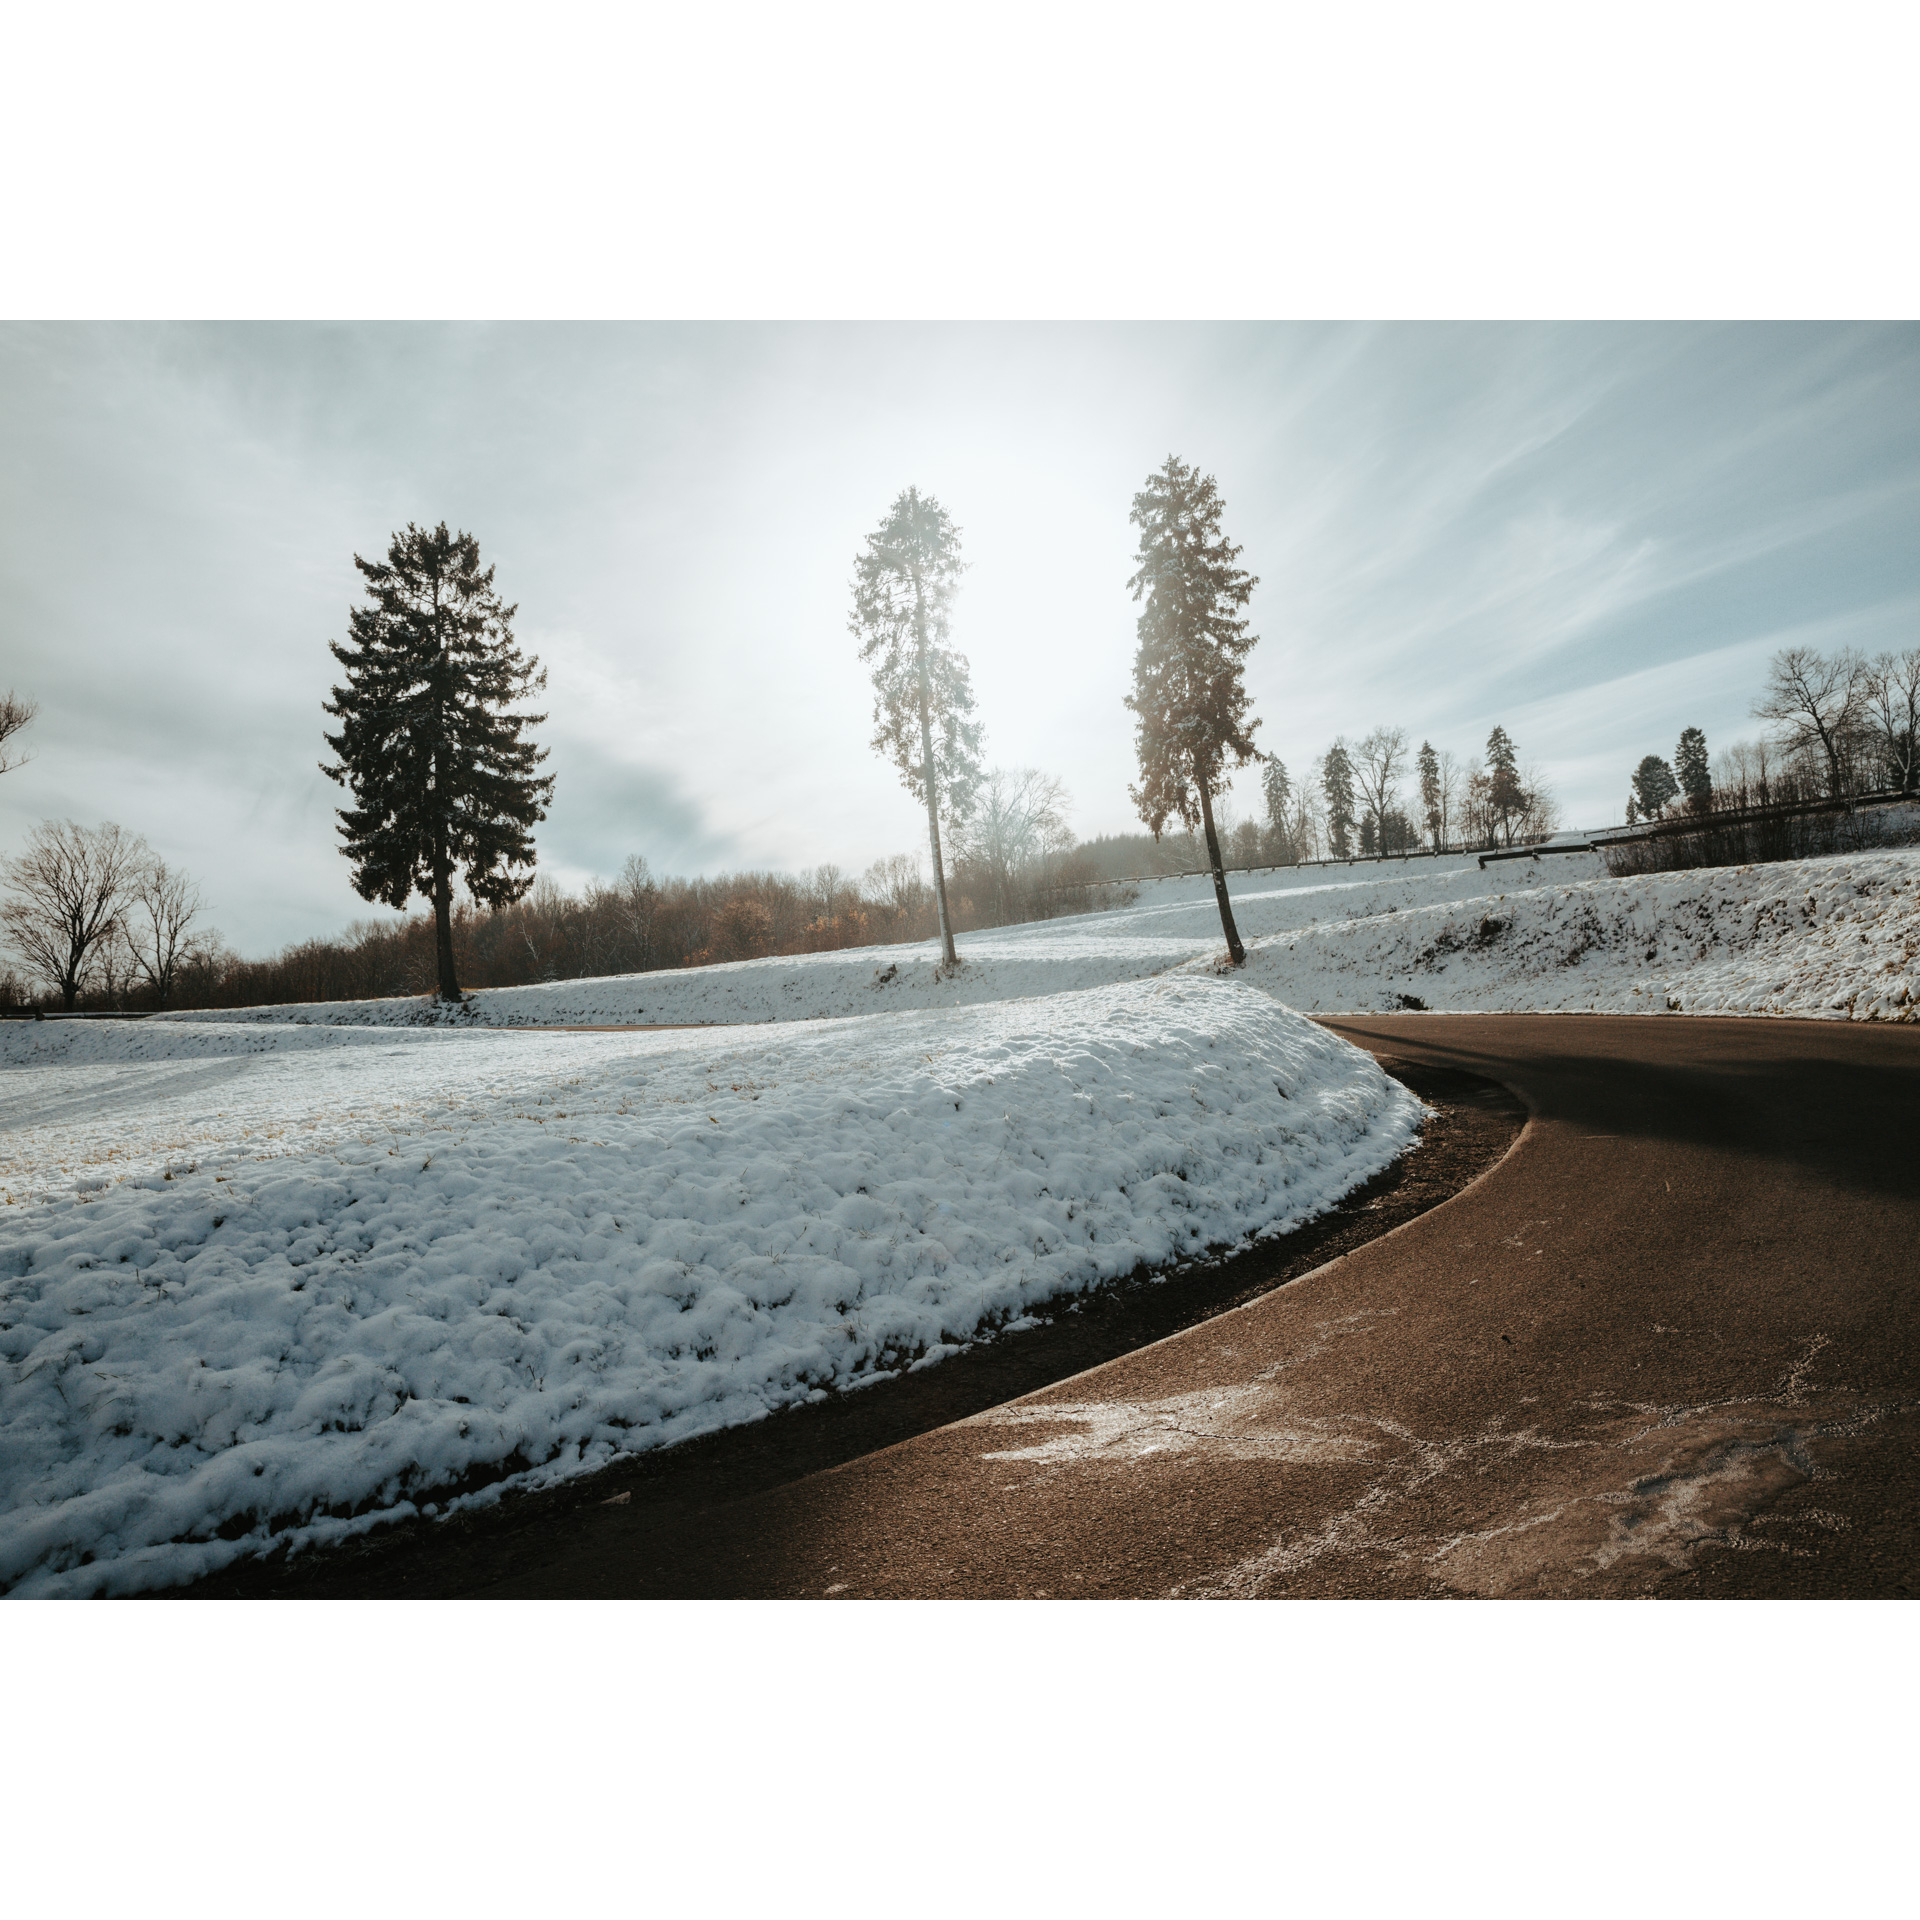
1835	938
1829	937
293	1273
1172	921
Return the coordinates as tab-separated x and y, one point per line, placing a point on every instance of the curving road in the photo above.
1669	1345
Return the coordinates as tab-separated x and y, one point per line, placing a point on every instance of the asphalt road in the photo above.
1670	1345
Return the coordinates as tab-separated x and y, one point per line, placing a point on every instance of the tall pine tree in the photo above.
1506	798
1690	768
1336	782
1432	800
1276	788
1187	686
1654	786
903	590
442	776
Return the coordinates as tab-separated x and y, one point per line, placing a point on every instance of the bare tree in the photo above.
1453	780
1304	836
1020	820
1815	701
160	909
1891	707
15	713
67	892
1378	763
637	895
1541	817
829	882
895	883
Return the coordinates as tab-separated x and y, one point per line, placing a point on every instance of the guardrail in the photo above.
40	1013
1679	823
1294	866
1534	853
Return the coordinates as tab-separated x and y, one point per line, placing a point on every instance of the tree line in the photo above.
1380	795
1842	724
132	937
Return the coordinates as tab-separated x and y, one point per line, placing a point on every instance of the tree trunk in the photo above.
443	925
442	864
949	957
1235	951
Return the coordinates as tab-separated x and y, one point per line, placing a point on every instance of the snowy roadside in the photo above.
498	1254
1836	938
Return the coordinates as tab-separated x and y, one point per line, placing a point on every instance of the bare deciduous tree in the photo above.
1304	837
896	882
1020	820
1540	816
639	902
155	924
1453	788
1378	763
15	713
67	893
1815	701
1891	707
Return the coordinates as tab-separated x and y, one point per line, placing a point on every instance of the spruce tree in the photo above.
1653	786
1691	770
1276	787
1506	798
1187	686
1336	782
442	776
903	590
1430	796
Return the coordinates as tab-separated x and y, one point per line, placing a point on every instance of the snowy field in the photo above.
1173	921
283	1275
1826	938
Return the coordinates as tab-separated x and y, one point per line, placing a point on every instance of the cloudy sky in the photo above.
1593	535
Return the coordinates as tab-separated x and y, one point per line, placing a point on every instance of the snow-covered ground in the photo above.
283	1274
1824	938
1172	921
256	1278
1835	939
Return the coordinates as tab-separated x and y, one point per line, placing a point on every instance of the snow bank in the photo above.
1833	938
519	1254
